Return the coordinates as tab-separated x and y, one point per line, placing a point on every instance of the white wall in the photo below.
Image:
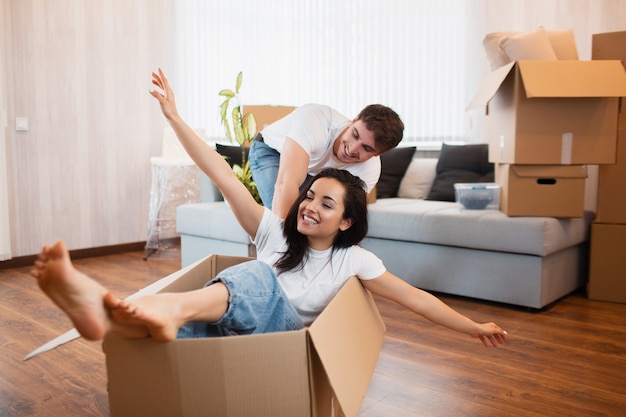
5	232
79	71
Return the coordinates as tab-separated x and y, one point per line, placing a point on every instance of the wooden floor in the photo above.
567	361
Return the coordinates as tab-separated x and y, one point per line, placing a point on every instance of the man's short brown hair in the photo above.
386	125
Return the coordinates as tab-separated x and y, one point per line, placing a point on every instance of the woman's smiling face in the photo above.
320	214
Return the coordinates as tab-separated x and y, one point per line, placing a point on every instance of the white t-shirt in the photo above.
315	127
311	289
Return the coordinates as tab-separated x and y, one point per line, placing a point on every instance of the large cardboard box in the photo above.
611	207
323	370
553	112
607	272
611	45
267	114
542	190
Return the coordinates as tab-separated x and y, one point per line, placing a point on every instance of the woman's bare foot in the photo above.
158	314
79	296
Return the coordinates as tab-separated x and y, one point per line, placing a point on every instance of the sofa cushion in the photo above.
418	178
394	164
460	163
213	220
232	153
445	223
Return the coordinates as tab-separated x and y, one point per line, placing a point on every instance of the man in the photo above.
313	137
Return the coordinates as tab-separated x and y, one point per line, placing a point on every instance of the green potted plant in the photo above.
240	129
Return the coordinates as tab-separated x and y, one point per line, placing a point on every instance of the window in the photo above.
406	54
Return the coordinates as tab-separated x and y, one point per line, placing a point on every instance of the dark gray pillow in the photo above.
232	153
460	163
394	164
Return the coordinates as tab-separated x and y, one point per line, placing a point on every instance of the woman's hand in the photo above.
490	334
165	96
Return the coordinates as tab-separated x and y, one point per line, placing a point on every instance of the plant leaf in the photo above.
238	82
226	93
237	127
227	131
223	110
249	126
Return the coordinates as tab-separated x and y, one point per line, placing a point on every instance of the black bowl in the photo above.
475	202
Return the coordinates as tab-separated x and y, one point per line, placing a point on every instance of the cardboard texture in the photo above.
266	115
607	46
611	207
323	370
542	190
553	112
607	272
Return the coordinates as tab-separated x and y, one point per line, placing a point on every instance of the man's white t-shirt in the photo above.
315	127
311	289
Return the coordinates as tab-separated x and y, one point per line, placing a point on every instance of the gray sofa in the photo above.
434	245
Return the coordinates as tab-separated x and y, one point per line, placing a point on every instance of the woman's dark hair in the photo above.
355	204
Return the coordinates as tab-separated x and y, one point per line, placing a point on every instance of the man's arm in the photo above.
293	169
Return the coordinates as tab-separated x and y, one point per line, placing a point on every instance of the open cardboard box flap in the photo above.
557	79
348	336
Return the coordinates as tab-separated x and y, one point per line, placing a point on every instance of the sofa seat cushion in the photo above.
214	220
445	223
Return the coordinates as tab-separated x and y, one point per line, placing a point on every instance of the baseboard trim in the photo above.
22	261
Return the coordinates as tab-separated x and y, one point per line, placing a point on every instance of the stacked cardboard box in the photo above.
607	274
548	120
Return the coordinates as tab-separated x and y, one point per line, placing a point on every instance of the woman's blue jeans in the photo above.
257	304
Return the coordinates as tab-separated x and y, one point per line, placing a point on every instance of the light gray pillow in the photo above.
418	178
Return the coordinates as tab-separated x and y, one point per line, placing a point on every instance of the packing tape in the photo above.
567	142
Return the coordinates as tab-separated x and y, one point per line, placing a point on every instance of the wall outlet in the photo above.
21	124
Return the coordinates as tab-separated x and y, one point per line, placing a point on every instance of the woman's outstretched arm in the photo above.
433	309
245	208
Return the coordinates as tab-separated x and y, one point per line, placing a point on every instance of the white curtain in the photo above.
407	54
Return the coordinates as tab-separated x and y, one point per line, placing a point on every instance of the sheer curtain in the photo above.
406	54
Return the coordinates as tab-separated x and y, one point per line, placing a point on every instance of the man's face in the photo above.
355	144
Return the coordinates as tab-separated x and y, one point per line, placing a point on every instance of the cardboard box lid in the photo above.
348	336
543	79
490	86
550	171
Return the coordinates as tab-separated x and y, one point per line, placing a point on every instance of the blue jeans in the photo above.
256	304
264	163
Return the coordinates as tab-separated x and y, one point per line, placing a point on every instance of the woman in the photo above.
301	264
